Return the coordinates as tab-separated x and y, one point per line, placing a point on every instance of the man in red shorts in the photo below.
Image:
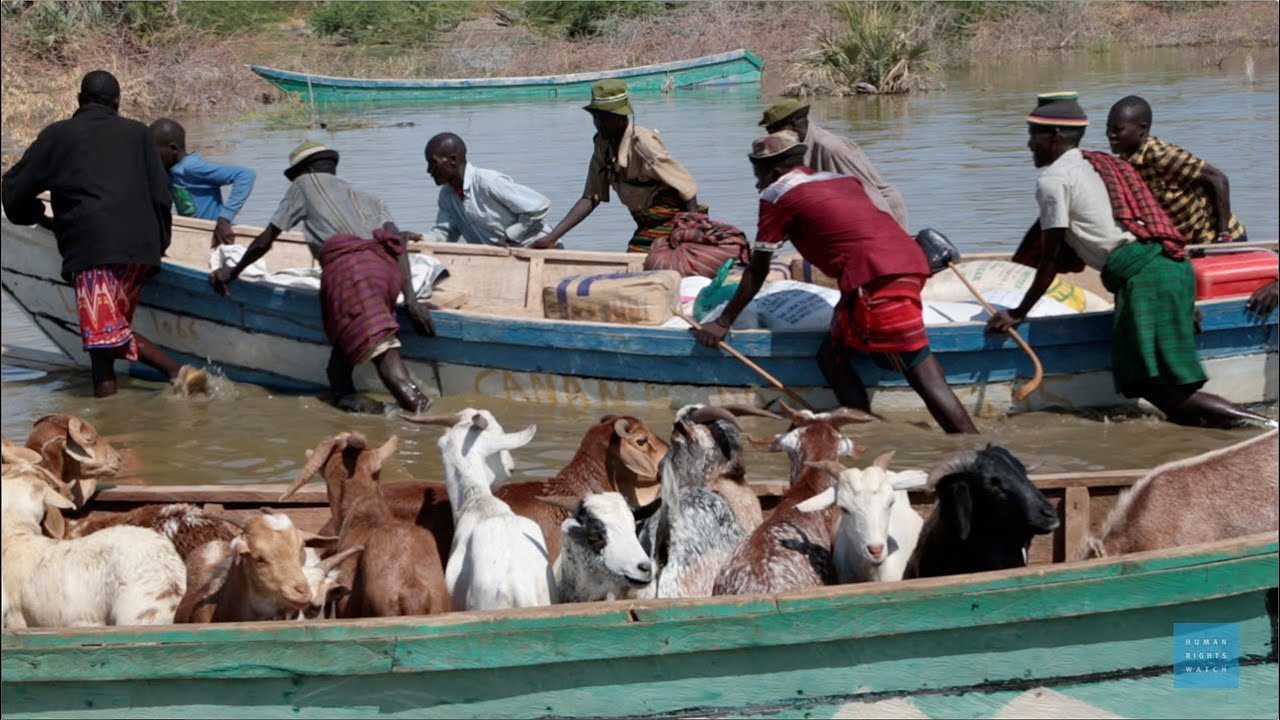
881	271
111	217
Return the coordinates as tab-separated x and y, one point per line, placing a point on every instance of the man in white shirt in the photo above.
477	205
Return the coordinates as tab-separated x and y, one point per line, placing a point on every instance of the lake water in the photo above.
959	158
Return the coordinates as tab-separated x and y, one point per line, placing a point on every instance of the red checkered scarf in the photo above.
1133	204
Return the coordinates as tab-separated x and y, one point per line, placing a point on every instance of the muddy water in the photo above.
958	157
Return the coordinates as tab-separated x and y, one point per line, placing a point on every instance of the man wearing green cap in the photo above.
364	268
635	163
828	152
1096	210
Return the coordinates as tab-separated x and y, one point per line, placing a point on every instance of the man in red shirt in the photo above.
880	269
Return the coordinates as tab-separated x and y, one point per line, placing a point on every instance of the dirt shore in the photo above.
194	73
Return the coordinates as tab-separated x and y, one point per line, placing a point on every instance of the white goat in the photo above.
120	576
878	527
322	575
499	559
600	556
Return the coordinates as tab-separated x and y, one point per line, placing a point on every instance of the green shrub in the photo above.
371	22
881	49
584	18
229	17
55	29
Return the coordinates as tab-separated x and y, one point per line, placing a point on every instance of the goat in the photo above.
499	559
187	526
619	454
878	528
120	576
602	557
257	575
986	512
792	549
399	572
322	576
696	530
75	453
1221	494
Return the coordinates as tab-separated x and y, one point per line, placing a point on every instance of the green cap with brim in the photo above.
780	111
609	96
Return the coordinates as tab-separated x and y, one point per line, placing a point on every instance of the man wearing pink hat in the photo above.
880	269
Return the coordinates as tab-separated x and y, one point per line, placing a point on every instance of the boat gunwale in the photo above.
336	81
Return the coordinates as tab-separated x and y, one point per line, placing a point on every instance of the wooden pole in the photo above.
747	361
1023	392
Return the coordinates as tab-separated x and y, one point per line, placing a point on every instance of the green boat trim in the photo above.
737	67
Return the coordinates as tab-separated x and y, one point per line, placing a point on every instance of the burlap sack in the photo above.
639	298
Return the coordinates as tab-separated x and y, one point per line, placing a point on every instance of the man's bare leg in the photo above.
395	375
103	371
930	383
844	382
1184	405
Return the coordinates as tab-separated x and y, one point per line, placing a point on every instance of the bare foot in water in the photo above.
190	382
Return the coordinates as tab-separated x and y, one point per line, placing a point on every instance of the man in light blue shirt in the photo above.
477	205
196	184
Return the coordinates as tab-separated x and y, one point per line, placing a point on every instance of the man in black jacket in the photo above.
111	218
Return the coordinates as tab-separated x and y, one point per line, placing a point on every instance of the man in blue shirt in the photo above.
196	184
477	205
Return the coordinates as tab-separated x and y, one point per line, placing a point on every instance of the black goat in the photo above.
986	512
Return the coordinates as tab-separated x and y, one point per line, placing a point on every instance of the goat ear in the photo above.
909	480
821	501
961	508
53	524
386	451
831	467
54	500
238	545
571	504
637	459
511	441
770	445
313	540
882	461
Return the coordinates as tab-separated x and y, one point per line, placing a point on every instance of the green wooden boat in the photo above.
736	67
1055	639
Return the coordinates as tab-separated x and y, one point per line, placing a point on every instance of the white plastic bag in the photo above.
228	255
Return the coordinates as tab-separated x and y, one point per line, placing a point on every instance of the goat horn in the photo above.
479	423
882	461
332	561
441	420
622	428
565	503
751	411
831	467
318	458
953	463
710	413
846	416
238	522
798	418
762	444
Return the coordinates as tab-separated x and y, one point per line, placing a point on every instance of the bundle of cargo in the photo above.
635	298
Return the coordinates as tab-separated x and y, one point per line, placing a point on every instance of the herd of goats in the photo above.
630	516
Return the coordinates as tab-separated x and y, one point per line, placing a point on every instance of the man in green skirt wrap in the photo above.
1096	210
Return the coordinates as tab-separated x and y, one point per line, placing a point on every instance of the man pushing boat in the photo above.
881	271
364	267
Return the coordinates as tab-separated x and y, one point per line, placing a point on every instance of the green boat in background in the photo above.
736	67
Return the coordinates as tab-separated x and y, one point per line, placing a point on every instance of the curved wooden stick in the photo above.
1023	392
745	361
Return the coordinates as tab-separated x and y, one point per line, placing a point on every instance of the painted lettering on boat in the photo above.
550	389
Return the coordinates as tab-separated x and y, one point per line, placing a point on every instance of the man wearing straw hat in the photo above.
1096	210
828	152
880	269
112	221
364	267
635	163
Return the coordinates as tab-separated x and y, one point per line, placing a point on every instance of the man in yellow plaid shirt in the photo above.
1194	193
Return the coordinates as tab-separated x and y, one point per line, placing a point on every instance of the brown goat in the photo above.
1213	496
618	454
186	525
792	549
73	451
256	576
399	572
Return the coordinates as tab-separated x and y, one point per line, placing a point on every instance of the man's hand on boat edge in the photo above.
220	278
1003	321
420	316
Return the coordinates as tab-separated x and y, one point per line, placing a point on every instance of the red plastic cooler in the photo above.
1227	274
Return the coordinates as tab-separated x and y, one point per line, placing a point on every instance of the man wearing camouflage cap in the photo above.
633	162
828	152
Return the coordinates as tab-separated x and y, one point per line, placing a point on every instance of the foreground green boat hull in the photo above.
737	67
1077	636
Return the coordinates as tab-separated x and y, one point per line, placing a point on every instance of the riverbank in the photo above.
174	62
